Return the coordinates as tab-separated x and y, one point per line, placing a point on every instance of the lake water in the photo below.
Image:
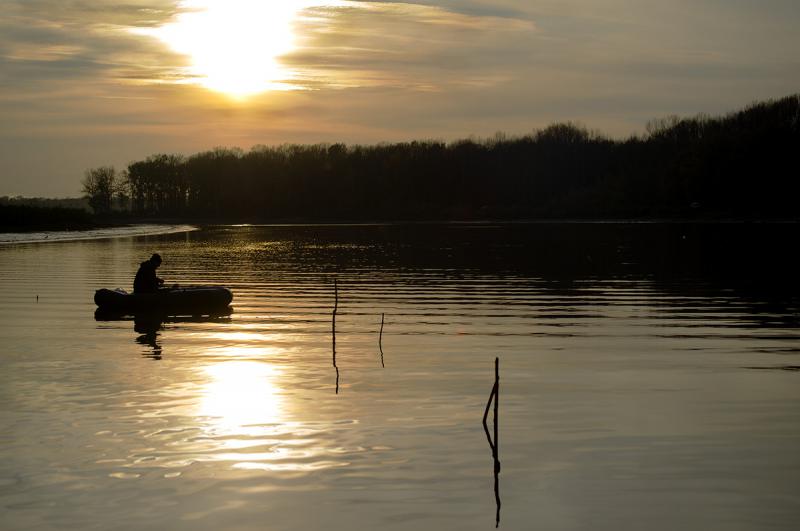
648	380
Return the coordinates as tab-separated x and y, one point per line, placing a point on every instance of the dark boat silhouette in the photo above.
188	300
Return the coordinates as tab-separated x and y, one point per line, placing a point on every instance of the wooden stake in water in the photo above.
380	341
493	442
333	330
333	318
496	439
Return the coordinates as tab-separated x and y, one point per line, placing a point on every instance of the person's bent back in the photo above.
146	280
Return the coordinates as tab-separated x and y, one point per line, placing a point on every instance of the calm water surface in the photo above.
648	380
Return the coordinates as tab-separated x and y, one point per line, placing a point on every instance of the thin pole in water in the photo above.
333	318
496	440
380	341
333	330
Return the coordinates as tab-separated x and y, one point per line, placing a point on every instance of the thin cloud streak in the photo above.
402	45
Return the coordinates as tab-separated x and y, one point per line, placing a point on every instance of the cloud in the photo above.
346	44
44	42
413	46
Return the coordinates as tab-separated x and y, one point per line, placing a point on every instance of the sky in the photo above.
94	83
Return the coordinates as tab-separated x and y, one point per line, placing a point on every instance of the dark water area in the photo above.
648	380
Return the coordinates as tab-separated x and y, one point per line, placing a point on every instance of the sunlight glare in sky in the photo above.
234	45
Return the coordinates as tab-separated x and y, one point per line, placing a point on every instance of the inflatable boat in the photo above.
189	300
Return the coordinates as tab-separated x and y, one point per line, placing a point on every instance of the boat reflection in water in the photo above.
148	325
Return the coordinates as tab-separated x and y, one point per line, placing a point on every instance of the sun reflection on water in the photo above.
244	413
249	340
241	395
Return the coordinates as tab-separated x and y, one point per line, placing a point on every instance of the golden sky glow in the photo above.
101	82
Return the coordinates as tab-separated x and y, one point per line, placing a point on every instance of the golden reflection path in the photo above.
243	408
241	394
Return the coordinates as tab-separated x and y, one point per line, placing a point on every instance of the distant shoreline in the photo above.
167	226
506	221
127	231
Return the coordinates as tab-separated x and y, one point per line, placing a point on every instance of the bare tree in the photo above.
122	191
99	185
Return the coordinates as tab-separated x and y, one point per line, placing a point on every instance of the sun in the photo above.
234	45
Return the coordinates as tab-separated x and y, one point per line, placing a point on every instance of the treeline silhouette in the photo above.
739	165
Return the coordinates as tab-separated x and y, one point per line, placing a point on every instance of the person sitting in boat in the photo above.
146	280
